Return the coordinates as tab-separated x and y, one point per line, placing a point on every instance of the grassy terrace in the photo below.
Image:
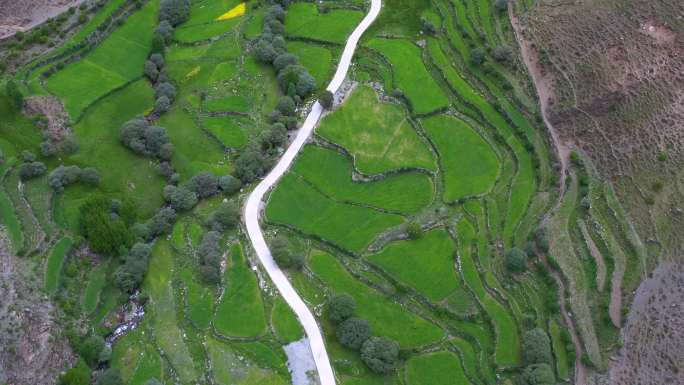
378	135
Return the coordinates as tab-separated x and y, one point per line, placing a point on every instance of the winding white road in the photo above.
253	207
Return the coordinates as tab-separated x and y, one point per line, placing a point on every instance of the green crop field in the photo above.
441	368
167	333
117	61
55	261
428	264
97	279
410	74
331	173
377	134
304	20
241	311
297	204
204	23
230	130
385	317
285	322
98	134
469	164
199	299
316	59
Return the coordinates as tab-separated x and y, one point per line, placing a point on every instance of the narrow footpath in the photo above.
254	205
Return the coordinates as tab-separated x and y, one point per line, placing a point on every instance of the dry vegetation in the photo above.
616	95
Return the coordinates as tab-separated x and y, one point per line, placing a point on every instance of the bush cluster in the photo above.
145	139
380	354
226	217
130	275
296	83
63	176
174	11
516	260
537	357
283	254
209	253
30	168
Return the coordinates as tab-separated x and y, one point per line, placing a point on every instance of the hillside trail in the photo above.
254	206
544	89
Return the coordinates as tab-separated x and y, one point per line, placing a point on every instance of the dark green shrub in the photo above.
353	332
516	260
536	347
341	307
539	374
380	354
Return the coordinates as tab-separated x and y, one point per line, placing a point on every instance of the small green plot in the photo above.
194	151
304	20
296	203
441	368
410	74
377	134
54	264
241	311
232	103
469	164
316	59
230	130
199	299
331	172
97	279
427	263
285	323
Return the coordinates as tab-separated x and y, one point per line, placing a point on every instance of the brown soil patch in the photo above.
31	348
53	109
22	15
653	351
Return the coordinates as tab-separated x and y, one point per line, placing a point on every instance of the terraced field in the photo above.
428	194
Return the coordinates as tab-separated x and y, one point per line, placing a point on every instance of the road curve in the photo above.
253	206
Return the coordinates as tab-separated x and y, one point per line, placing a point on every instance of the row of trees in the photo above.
294	80
537	358
380	354
63	176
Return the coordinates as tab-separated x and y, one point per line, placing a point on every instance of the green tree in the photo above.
539	374
105	232
14	94
111	376
353	332
380	354
326	98
90	349
536	347
516	260
174	11
341	307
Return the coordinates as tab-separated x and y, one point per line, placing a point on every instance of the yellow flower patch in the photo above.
237	10
192	73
